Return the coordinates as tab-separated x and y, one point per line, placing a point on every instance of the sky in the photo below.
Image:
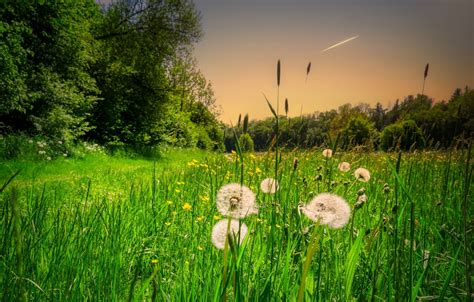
396	38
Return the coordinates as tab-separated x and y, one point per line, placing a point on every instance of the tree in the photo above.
141	46
46	48
358	131
246	143
403	135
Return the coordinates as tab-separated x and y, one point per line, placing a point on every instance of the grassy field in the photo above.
107	228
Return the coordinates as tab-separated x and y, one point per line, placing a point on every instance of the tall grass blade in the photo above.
351	264
452	268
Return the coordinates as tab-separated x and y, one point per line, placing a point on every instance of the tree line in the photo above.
121	74
124	75
417	122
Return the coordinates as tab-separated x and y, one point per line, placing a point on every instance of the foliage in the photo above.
358	131
414	123
403	135
246	143
119	76
45	50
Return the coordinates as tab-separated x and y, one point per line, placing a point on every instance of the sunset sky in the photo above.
244	39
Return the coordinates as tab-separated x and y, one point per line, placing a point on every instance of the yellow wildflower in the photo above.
200	248
180	183
258	170
204	198
200	218
252	156
154	261
177	190
187	207
217	217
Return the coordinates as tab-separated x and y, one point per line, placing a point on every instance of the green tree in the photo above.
46	48
140	43
358	131
403	135
246	143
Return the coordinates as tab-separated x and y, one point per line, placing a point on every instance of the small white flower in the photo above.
30	141
344	166
327	208
269	185
237	230
48	158
64	154
362	174
327	153
41	152
60	142
236	201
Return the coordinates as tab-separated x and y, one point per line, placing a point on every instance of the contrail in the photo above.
340	43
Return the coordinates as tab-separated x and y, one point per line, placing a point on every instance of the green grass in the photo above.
106	228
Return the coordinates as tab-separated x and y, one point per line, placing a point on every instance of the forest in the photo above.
123	75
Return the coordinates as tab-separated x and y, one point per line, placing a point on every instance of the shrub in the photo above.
246	143
402	135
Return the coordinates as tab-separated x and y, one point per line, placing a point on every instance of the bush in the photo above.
358	131
22	146
246	143
402	135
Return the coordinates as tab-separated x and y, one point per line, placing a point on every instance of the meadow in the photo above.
110	228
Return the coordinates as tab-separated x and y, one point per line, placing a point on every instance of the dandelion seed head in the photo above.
327	153
344	166
219	232
362	174
236	201
327	208
269	185
361	200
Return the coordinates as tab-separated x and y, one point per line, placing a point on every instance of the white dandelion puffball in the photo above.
219	232
269	185
236	201
330	209
327	153
362	174
344	166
